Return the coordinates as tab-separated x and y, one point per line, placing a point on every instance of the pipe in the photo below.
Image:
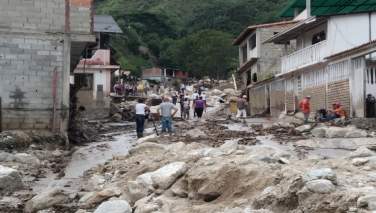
54	94
308	7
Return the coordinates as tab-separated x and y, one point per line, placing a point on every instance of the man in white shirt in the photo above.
140	117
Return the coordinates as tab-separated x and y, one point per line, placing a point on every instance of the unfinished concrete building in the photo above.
40	43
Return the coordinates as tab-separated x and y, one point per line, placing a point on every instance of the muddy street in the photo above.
214	164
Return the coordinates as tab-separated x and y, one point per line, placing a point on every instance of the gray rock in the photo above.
10	180
26	159
367	202
359	161
46	199
196	134
336	132
356	133
362	152
316	174
114	206
319	132
320	186
304	128
6	157
164	177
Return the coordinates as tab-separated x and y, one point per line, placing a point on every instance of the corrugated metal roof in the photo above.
106	24
330	7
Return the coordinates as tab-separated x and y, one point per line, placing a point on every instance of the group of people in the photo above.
238	106
336	112
168	109
132	88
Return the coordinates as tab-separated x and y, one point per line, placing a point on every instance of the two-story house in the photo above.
40	44
333	61
259	62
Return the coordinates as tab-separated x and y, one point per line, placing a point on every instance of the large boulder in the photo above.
319	132
324	173
90	199
354	132
164	177
321	186
114	206
10	180
362	152
304	128
46	199
367	202
336	132
26	159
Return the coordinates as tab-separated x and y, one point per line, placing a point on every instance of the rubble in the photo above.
46	199
10	180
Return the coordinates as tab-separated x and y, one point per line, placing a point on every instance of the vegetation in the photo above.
193	35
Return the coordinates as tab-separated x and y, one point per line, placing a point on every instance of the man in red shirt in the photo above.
305	107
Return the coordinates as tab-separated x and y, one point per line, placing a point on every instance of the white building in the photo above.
333	60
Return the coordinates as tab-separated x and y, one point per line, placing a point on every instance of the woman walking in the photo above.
199	107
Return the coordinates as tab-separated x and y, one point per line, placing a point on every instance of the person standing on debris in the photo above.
194	98
305	107
141	109
186	108
174	98
167	110
233	109
199	107
242	105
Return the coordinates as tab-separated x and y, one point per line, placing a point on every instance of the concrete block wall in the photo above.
270	54
257	100
339	91
27	64
32	46
277	98
290	101
45	15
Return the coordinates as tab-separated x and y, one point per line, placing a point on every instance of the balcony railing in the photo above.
304	57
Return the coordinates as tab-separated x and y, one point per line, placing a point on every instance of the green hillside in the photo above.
194	35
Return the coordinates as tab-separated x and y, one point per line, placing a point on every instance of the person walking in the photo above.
186	108
141	109
199	107
242	107
305	107
174	98
167	110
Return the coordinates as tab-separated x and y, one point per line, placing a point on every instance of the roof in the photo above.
361	49
330	7
106	24
250	29
296	30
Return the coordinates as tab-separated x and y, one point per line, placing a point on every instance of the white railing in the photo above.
304	57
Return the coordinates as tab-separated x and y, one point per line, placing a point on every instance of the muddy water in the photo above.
87	157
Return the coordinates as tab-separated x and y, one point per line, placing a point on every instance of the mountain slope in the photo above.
156	30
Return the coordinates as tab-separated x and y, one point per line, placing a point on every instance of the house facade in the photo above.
259	62
163	75
40	44
92	78
333	61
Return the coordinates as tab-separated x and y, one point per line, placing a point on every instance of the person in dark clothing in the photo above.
174	98
199	107
141	109
370	106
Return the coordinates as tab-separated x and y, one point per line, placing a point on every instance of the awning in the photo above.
296	30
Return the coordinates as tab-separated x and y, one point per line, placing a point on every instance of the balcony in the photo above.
304	57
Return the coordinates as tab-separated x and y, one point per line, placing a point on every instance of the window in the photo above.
254	77
252	42
318	37
84	81
244	53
